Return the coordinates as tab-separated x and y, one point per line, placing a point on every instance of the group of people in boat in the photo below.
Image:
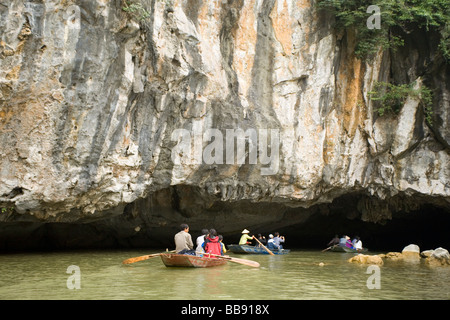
211	243
208	242
345	241
274	242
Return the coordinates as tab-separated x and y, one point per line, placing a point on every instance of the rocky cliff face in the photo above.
121	117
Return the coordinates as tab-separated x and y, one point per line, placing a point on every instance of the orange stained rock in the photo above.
349	85
245	42
282	26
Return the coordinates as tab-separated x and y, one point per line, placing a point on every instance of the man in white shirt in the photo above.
199	250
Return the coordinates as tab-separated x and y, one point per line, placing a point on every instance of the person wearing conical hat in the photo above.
245	237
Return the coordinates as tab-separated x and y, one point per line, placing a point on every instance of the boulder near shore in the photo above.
436	257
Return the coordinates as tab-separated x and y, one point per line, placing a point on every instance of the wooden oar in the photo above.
330	247
246	262
270	252
141	258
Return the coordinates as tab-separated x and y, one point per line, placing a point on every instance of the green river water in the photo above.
296	276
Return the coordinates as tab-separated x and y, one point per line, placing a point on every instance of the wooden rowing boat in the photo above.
237	248
338	248
186	260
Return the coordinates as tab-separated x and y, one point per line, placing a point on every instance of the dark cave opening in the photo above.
428	228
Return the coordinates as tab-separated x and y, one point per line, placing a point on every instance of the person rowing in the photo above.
245	237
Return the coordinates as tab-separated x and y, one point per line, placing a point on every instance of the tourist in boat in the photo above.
200	240
224	249
278	240
345	242
262	240
183	241
271	243
348	243
212	244
245	237
357	243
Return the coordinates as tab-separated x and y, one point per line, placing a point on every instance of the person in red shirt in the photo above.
212	244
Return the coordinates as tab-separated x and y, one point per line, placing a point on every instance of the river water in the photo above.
100	275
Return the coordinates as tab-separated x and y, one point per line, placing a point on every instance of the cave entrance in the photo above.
427	227
152	222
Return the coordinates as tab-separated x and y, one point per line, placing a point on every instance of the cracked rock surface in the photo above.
91	98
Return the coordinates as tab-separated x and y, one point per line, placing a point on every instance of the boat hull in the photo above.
190	261
246	249
338	248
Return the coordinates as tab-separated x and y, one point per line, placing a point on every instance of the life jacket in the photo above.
213	246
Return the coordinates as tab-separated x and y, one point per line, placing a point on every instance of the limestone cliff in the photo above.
92	97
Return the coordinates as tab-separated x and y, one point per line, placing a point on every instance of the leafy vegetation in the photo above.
6	210
135	9
444	46
392	98
405	14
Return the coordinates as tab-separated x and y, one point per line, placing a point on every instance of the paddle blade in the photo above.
246	262
249	263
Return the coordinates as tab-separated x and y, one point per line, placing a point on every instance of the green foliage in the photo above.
135	9
404	14
392	98
444	45
407	15
427	102
6	210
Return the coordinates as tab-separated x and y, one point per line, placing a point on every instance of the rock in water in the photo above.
367	259
439	257
411	252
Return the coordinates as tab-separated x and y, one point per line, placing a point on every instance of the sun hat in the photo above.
245	231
